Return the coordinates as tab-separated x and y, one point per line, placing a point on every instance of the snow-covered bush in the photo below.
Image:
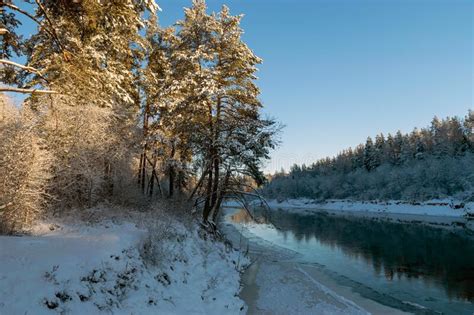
92	152
24	169
162	235
165	234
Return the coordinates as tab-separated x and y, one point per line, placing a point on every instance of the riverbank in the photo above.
119	261
277	283
447	213
381	267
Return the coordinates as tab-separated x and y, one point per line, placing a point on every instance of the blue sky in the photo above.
335	72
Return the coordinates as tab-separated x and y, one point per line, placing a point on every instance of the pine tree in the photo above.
370	161
389	153
94	56
11	44
418	144
397	148
379	150
469	129
13	74
358	159
241	137
214	102
156	77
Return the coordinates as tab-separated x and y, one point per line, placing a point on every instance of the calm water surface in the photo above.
412	267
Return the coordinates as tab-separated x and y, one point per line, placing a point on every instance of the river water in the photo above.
410	267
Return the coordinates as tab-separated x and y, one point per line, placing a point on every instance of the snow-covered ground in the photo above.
286	288
447	208
277	283
161	266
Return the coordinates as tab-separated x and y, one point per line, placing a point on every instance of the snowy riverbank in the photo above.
139	265
366	264
276	282
437	212
449	208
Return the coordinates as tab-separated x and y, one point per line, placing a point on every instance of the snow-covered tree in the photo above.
209	104
116	86
24	168
90	126
13	74
370	155
432	162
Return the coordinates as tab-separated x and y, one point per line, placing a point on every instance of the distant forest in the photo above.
428	163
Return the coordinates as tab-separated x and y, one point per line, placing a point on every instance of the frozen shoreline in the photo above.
448	208
276	283
437	212
284	287
279	256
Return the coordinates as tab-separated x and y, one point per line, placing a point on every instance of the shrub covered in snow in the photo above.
24	169
93	154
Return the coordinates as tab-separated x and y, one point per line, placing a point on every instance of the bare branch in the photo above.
201	180
15	8
55	35
51	31
26	68
243	202
26	91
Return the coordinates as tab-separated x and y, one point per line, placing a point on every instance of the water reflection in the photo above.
434	255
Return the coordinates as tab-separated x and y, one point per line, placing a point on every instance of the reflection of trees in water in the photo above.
397	250
241	217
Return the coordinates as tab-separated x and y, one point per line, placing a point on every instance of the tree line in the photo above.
432	162
119	108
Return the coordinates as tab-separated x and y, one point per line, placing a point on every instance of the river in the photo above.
383	267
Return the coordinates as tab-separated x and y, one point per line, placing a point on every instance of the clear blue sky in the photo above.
335	72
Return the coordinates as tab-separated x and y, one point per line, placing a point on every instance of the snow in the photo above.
443	208
161	267
288	289
276	283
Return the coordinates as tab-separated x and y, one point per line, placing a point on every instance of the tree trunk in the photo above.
215	154
200	182
172	171
152	182
215	186
221	196
207	205
171	182
140	170
109	183
159	185
145	147
153	177
143	171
